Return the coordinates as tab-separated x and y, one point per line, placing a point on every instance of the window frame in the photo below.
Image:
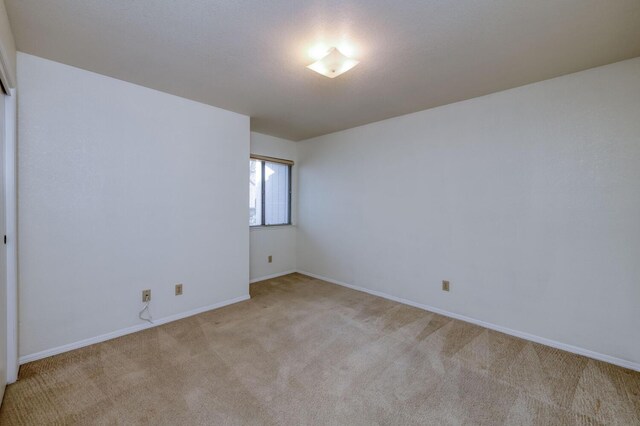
262	160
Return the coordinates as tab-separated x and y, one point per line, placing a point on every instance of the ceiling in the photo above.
250	56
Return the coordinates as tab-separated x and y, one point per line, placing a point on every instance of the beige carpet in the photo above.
303	351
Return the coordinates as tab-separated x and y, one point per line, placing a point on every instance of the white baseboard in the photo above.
112	335
268	277
531	337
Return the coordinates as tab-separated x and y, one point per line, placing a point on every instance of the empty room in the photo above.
320	212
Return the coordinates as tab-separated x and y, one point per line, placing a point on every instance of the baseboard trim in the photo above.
531	337
133	329
268	277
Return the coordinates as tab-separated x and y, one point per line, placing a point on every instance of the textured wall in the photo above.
123	188
528	200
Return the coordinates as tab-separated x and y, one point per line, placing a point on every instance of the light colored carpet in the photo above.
303	351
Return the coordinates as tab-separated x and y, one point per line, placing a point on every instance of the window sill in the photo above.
270	227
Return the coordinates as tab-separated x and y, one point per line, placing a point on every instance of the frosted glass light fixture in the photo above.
333	63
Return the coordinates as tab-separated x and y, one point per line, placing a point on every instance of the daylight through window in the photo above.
269	192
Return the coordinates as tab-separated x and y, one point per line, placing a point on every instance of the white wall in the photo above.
123	188
528	200
276	241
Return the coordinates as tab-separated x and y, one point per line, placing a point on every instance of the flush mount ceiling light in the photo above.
333	63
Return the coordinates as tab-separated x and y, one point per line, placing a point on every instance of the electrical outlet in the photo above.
445	285
270	259
146	295
178	289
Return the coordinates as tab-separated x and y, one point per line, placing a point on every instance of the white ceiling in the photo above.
250	56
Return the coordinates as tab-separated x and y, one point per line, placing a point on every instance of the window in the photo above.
269	191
